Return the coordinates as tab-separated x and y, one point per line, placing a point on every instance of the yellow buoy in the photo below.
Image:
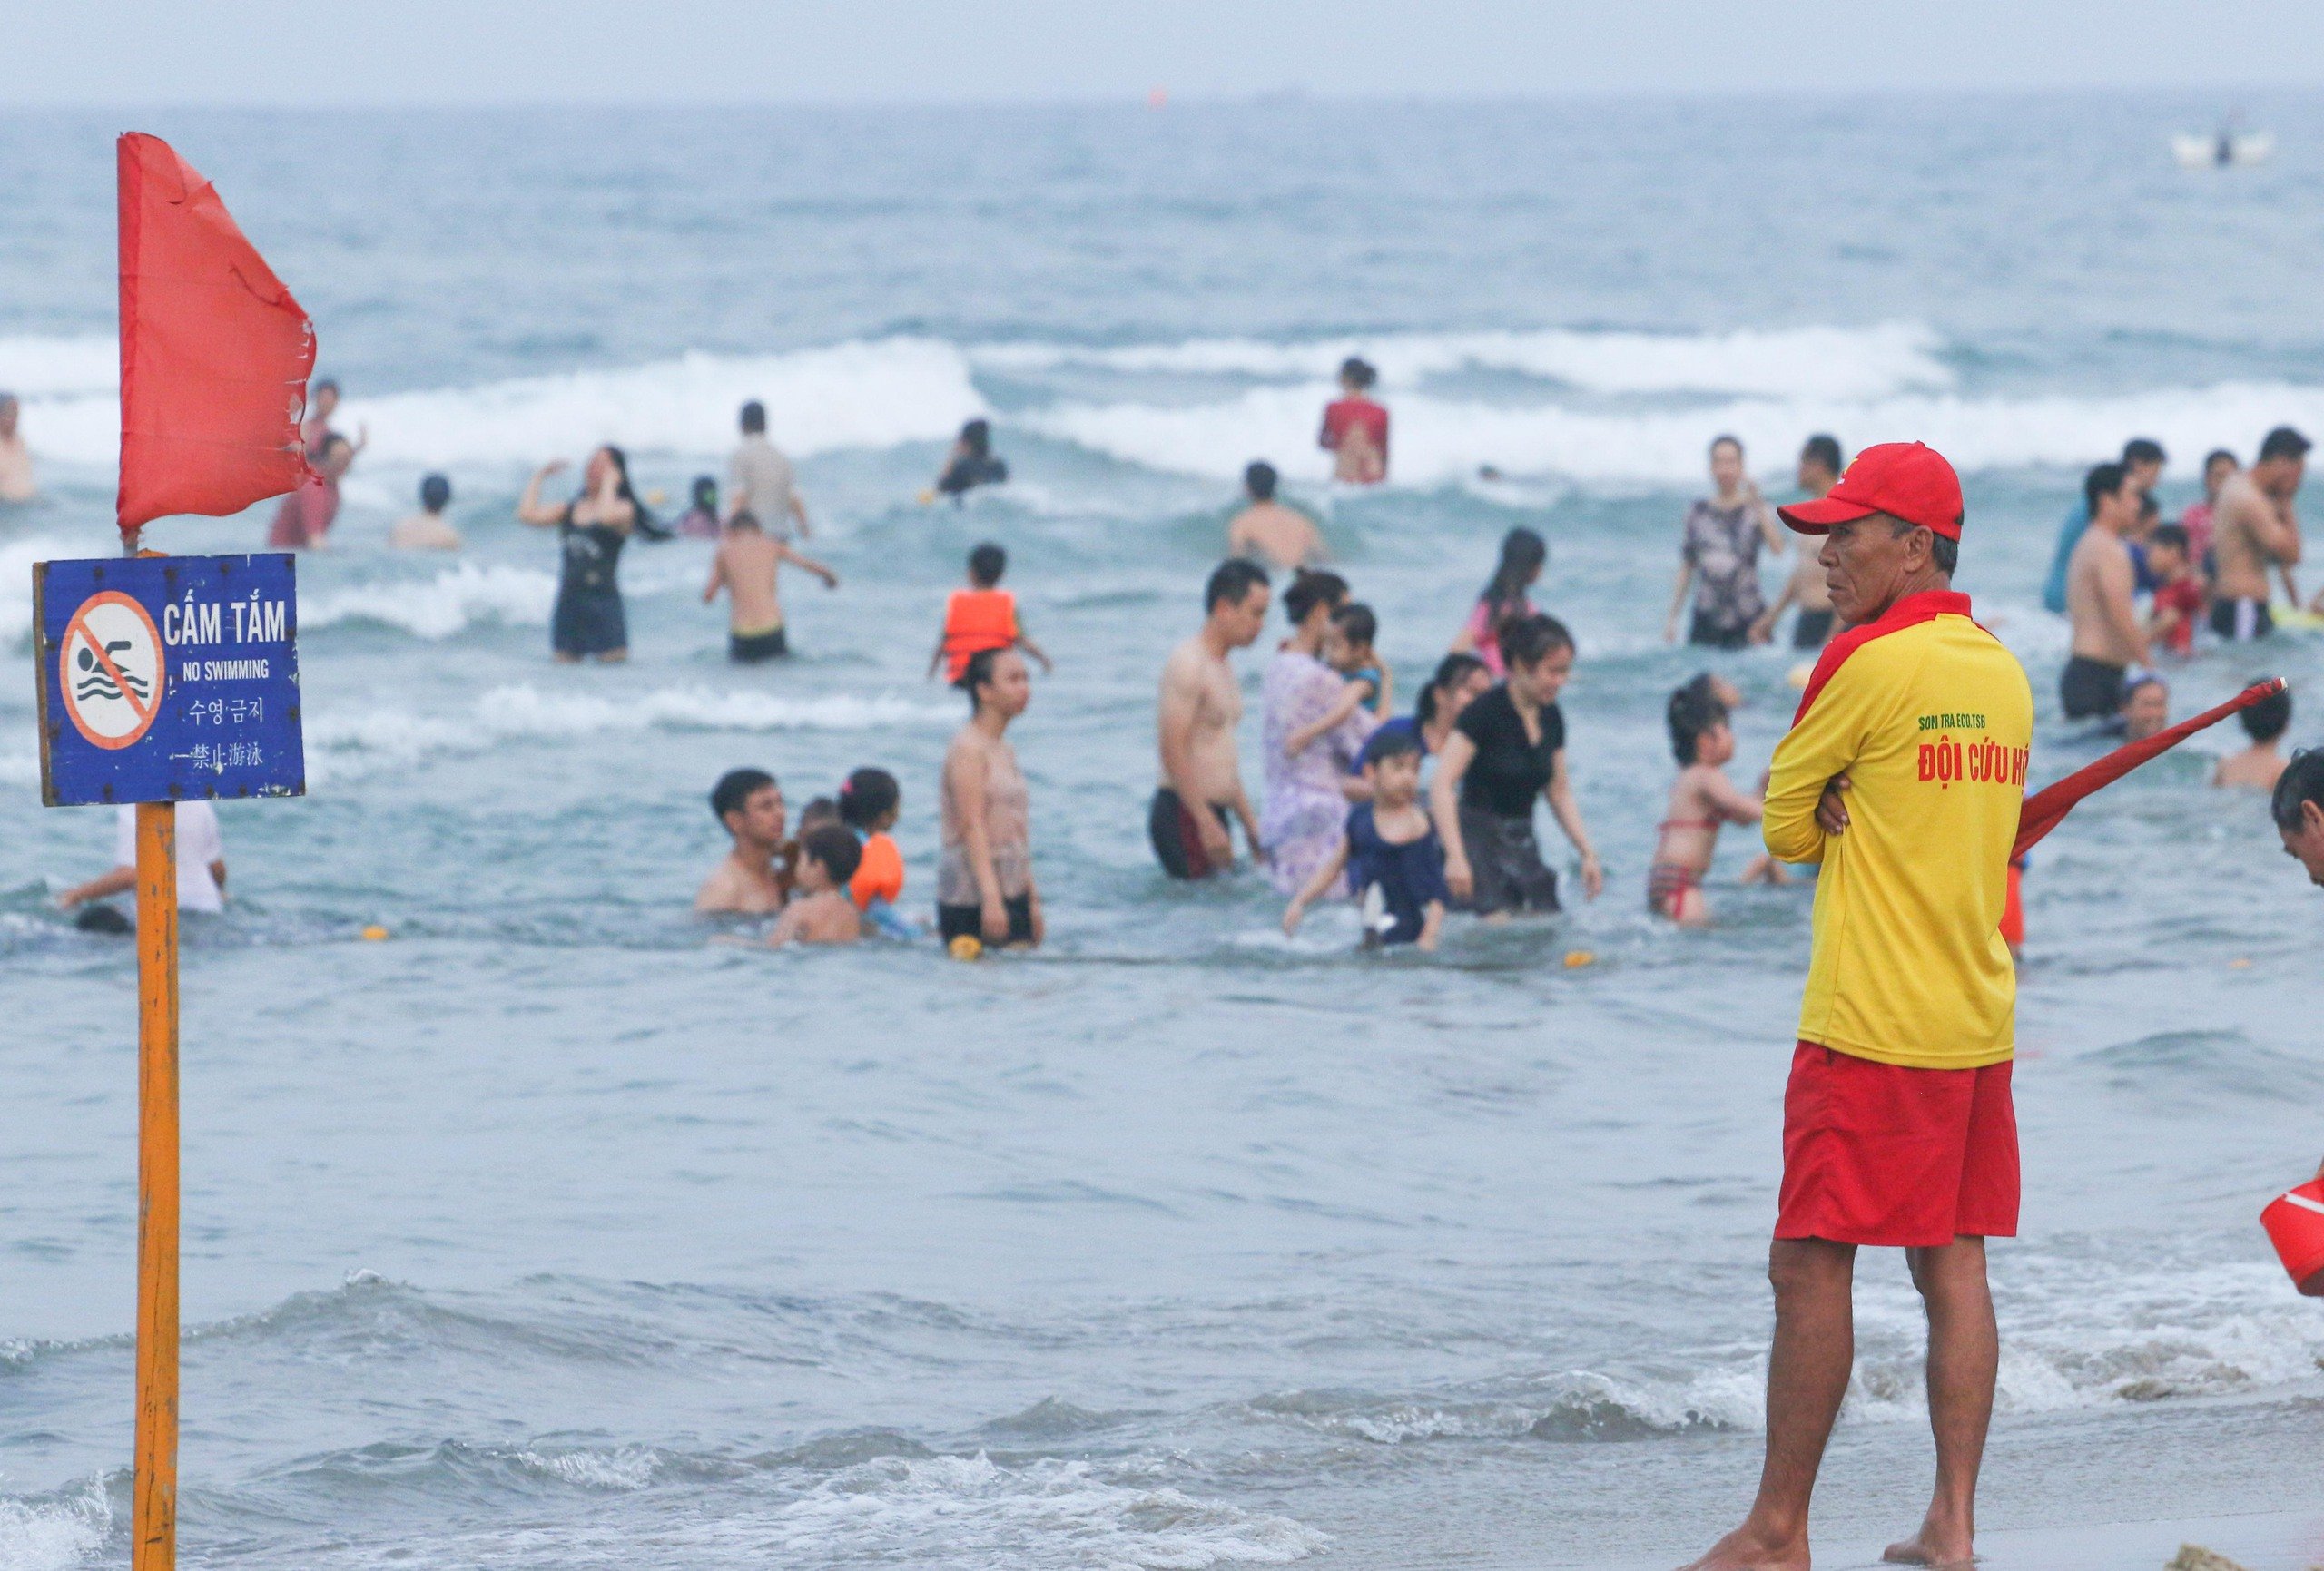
1577	959
375	932
967	947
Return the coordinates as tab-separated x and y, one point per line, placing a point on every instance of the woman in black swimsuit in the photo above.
588	622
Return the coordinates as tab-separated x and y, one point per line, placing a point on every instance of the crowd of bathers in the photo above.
1349	807
1413	815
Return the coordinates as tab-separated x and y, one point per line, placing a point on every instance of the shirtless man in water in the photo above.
2108	637
748	566
1201	705
749	804
1270	531
2254	529
16	461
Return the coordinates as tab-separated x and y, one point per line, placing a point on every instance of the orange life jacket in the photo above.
975	620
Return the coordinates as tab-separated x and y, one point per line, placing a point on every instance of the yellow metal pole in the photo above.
153	1545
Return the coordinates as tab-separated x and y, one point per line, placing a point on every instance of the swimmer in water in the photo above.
1702	799
970	463
1199	707
15	459
870	804
1355	427
2261	765
1268	532
748	881
820	911
2146	706
982	616
426	529
985	887
1391	857
749	567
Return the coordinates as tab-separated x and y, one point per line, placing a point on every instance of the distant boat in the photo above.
2221	148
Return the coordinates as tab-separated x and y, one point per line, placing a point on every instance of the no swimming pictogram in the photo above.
111	670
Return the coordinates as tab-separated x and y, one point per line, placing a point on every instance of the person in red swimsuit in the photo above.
1701	801
1355	429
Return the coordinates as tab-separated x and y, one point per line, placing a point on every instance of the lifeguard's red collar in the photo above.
1907	611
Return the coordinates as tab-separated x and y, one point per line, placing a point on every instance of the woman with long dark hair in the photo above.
1523	554
984	880
588	622
970	463
1508	751
1459	680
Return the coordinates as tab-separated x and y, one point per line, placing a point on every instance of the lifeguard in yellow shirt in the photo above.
1903	775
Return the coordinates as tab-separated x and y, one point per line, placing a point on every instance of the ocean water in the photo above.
550	1233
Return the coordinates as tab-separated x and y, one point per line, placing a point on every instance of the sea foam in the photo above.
1823	361
862	394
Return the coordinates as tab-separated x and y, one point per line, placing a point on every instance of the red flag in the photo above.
215	352
2047	808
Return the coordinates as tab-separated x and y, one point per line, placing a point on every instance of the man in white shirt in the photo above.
202	862
760	481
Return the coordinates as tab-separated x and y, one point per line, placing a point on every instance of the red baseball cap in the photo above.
1907	480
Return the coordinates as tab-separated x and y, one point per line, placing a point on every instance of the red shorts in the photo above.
1878	1154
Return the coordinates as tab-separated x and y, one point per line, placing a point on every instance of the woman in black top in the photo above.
1508	748
588	622
970	463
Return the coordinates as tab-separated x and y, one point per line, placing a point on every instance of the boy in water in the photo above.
1348	648
748	566
426	529
1701	800
748	882
2180	591
981	617
2261	765
822	913
1268	531
1390	855
1819	471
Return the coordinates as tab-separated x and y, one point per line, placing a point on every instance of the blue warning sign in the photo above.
165	678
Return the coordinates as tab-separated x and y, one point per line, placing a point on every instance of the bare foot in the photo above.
1942	1547
1749	1549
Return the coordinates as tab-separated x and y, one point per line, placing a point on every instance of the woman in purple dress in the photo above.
1306	796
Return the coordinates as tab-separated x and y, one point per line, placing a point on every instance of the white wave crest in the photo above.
348	742
1436	440
1825	361
55	1533
626	1469
17	560
972	1510
439	607
34	366
860	394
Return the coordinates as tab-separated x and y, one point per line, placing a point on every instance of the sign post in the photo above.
165	678
154	1543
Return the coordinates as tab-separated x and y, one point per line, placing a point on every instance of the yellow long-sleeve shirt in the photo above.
1931	720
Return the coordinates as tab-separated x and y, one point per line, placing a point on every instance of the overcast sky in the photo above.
187	52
